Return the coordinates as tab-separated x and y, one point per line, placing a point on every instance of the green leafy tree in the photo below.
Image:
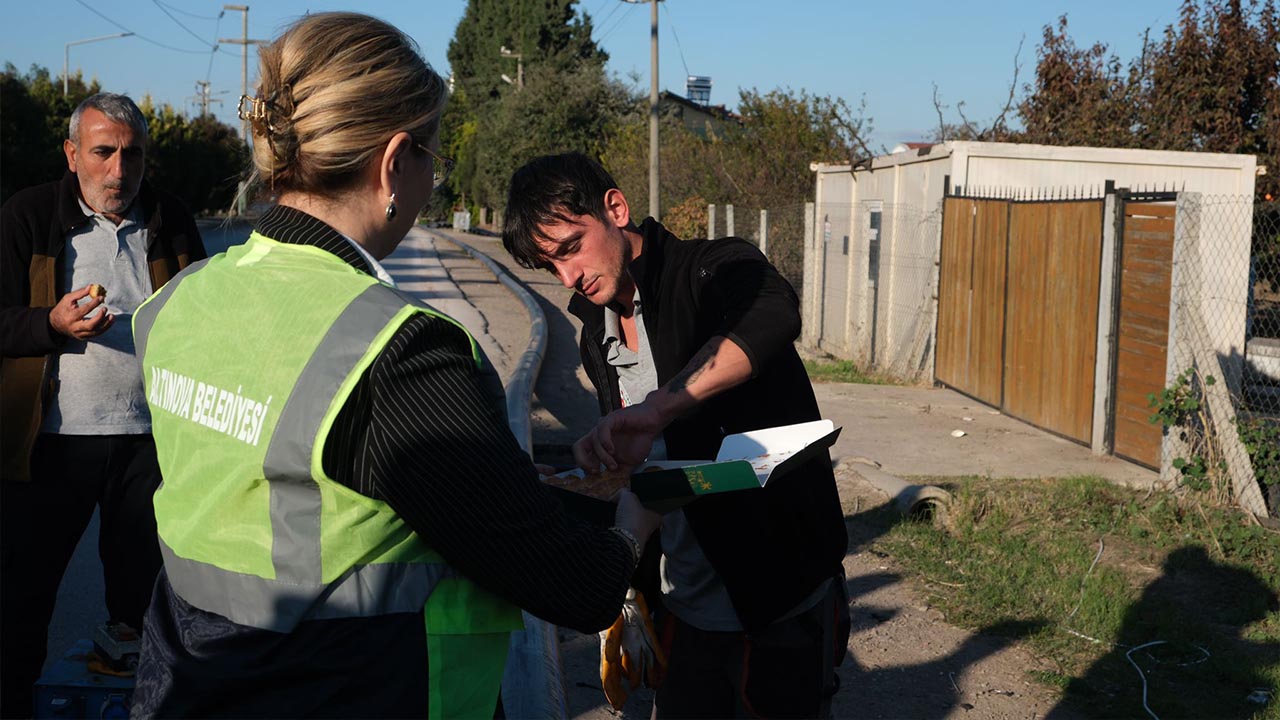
557	111
690	165
784	130
200	160
759	161
33	124
543	32
554	41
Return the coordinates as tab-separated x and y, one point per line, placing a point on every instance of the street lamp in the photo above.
504	52
67	48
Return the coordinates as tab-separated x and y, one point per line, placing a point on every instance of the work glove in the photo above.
629	648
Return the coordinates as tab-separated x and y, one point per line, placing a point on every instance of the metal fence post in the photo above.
1108	307
764	232
728	220
810	314
711	221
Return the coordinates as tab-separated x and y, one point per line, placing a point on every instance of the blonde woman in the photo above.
348	527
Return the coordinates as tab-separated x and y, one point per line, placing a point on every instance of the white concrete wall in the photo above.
831	227
887	310
1005	165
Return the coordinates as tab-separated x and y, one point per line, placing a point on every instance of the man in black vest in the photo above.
687	342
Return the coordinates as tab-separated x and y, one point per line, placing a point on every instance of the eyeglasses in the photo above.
443	166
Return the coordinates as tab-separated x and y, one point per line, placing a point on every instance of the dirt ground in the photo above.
905	660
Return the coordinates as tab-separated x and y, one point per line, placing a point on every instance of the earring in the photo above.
391	208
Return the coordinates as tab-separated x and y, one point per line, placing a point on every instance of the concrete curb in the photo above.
533	683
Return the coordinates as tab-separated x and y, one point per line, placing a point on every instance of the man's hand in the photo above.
68	317
623	437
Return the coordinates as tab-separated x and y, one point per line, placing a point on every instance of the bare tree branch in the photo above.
938	106
969	130
724	168
998	124
855	136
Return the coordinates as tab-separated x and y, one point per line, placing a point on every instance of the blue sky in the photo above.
888	53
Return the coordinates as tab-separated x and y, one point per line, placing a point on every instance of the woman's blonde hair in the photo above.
334	88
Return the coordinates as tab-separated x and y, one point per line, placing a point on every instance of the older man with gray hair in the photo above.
77	256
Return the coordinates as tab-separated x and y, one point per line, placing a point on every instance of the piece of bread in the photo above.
602	485
97	292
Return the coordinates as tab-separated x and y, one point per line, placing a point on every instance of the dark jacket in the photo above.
773	547
34	224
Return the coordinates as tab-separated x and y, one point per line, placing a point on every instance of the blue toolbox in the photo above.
69	689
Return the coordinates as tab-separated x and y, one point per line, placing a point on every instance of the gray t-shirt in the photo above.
691	589
99	382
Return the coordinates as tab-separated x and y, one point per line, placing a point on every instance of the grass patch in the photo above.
826	370
1095	571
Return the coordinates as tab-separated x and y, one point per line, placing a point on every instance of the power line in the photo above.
672	23
600	25
617	23
600	7
217	26
180	11
179	23
157	43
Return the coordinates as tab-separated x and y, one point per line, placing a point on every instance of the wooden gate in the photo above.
1055	262
1018	307
971	289
1146	262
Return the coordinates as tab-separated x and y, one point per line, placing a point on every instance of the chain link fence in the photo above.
877	282
1221	407
779	231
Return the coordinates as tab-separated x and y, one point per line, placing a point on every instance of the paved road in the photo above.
564	405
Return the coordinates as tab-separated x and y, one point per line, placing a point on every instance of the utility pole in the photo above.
244	42
202	95
653	109
653	106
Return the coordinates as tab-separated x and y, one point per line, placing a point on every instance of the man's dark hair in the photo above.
552	188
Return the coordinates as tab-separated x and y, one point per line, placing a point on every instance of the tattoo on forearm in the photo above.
700	363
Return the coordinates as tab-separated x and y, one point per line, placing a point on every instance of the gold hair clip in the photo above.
257	108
